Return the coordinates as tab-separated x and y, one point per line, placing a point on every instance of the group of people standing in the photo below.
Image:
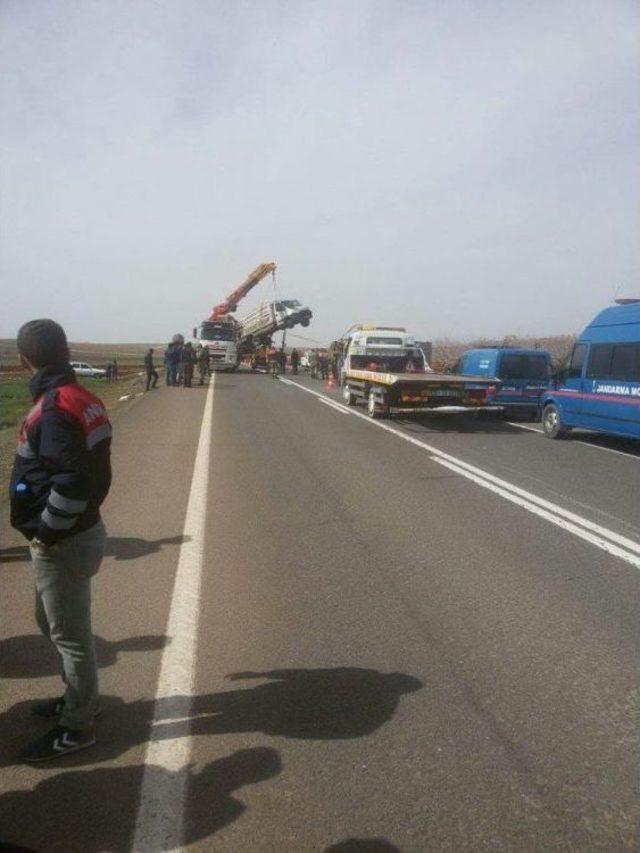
180	361
277	360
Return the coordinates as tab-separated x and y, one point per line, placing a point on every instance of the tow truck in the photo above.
385	367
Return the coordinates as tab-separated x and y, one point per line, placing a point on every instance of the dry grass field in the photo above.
14	392
96	354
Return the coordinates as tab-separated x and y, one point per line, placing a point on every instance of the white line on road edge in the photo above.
159	824
336	406
603	544
629	548
525	426
578	441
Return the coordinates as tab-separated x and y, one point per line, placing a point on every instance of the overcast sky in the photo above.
462	168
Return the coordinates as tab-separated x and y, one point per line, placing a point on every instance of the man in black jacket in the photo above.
61	476
152	373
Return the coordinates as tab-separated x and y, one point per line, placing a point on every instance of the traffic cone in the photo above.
331	383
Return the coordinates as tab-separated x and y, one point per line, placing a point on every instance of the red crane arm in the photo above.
231	302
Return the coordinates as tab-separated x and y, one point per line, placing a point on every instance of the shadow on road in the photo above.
100	804
458	424
119	547
314	704
95	810
33	656
133	547
362	845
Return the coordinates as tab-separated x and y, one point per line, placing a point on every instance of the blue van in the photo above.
525	374
598	387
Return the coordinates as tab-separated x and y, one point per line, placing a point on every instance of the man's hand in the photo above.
41	548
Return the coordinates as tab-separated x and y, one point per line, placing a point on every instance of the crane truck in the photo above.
229	340
384	367
221	331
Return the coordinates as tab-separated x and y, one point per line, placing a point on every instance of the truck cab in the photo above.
598	386
525	374
219	337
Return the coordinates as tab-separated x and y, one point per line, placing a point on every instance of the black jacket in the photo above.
62	470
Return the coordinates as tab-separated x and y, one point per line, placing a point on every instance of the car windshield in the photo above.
291	303
216	332
524	367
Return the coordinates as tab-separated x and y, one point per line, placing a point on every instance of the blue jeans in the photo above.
63	613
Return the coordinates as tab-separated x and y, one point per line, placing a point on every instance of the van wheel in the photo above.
348	396
551	422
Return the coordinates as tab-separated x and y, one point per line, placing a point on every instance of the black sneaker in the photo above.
50	708
58	742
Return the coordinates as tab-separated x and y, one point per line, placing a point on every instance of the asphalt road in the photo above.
413	635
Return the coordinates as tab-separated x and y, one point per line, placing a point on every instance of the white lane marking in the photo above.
342	409
525	426
542	503
603	544
286	381
159	823
578	441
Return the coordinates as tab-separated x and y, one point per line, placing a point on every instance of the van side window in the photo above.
600	361
625	364
574	370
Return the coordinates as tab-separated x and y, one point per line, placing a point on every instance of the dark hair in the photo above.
43	343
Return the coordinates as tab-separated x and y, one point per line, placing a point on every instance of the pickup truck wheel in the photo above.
374	408
348	396
551	423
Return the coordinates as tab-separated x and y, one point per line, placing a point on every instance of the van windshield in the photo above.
524	367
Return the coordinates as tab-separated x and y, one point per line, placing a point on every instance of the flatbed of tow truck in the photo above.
388	393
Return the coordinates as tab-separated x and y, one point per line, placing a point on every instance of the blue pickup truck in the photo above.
524	373
598	387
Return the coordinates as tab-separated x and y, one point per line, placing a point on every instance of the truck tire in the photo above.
552	425
348	396
374	407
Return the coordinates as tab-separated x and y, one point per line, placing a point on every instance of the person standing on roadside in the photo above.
167	363
273	360
188	359
61	476
174	363
202	355
295	361
152	373
178	350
